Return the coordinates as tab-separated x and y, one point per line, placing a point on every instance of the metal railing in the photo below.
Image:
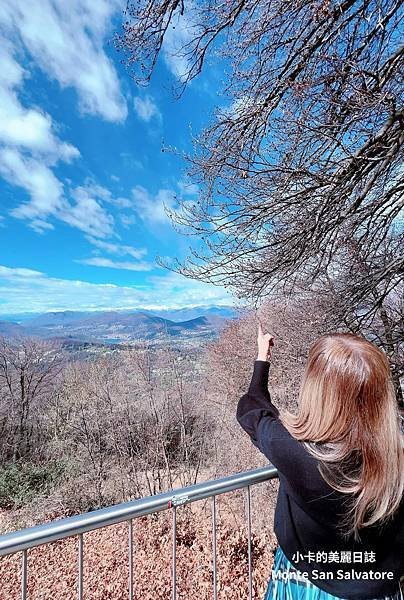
23	540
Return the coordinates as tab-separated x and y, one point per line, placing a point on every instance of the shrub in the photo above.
21	483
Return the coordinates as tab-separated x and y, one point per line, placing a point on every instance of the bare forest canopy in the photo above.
301	174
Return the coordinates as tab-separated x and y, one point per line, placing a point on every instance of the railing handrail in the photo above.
23	539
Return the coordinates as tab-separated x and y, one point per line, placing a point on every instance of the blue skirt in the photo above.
293	587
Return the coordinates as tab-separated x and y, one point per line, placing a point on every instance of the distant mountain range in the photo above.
122	327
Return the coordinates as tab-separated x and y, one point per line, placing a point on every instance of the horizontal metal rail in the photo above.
24	539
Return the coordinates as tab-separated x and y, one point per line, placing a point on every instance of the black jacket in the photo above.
308	511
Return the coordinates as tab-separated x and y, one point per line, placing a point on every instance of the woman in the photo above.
339	518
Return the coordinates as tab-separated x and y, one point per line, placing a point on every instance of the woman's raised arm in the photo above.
257	402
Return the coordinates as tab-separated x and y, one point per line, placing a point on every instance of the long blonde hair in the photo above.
348	419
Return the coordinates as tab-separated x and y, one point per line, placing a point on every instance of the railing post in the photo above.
214	547
24	575
174	555
130	558
249	542
80	560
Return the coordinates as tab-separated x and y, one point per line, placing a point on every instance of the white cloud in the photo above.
238	106
127	220
121	202
186	292
25	290
119	249
150	208
187	188
16	273
99	261
45	190
131	162
87	214
47	199
29	147
66	41
30	129
40	226
92	188
180	32
146	108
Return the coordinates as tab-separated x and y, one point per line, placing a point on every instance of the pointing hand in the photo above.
265	343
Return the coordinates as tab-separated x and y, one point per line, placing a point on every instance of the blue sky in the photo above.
83	180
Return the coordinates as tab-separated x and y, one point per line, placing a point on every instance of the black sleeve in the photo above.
256	404
260	419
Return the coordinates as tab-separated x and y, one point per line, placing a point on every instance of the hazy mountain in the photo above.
10	329
106	327
54	319
185	314
119	325
68	316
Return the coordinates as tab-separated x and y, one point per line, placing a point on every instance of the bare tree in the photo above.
28	370
169	434
307	156
127	424
378	314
